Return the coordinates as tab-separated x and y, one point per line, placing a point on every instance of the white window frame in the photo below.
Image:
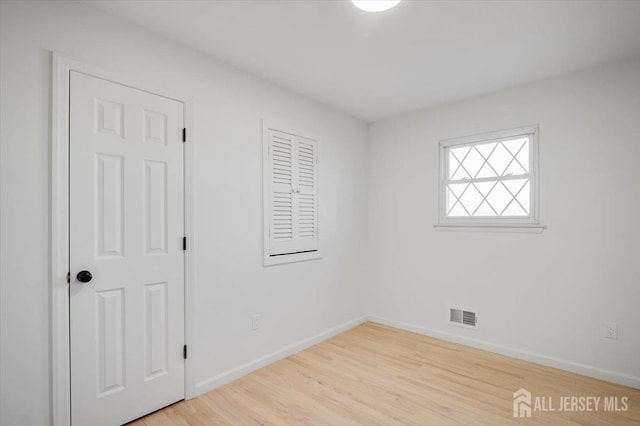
530	223
268	259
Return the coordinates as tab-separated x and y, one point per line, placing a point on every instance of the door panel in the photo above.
126	228
110	207
110	340
155	207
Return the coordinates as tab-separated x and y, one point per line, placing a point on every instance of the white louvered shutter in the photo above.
280	200
306	195
291	210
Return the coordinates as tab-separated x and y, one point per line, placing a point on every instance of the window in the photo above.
290	186
490	180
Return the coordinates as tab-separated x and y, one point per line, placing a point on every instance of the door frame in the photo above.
60	361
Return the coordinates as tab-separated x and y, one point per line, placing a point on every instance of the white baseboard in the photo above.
574	367
586	370
242	370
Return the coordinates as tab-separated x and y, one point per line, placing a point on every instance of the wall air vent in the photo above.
463	317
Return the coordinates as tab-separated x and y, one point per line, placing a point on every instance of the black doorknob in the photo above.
84	276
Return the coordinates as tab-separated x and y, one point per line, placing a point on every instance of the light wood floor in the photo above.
377	375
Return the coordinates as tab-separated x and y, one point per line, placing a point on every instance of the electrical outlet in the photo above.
255	322
611	330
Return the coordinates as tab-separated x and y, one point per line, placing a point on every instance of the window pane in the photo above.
520	190
471	199
484	210
514	210
514	145
500	159
485	187
523	157
524	197
473	162
486	149
458	188
490	198
514	169
456	172
499	197
510	157
519	150
458	211
486	171
456	156
515	185
453	193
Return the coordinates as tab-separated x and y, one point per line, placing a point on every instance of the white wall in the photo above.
296	301
537	295
579	273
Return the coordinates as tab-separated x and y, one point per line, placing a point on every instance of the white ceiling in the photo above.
419	54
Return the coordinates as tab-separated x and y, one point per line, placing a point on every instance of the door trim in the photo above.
59	229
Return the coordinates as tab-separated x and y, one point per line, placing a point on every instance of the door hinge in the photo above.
184	134
184	243
184	351
68	277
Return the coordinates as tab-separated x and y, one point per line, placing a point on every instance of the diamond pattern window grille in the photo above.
489	179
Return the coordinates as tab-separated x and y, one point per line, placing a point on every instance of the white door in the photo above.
126	230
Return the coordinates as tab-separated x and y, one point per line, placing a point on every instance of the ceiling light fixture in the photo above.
375	5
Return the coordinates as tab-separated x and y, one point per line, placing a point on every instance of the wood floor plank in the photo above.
378	375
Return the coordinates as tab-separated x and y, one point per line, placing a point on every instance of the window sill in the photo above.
290	258
508	227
